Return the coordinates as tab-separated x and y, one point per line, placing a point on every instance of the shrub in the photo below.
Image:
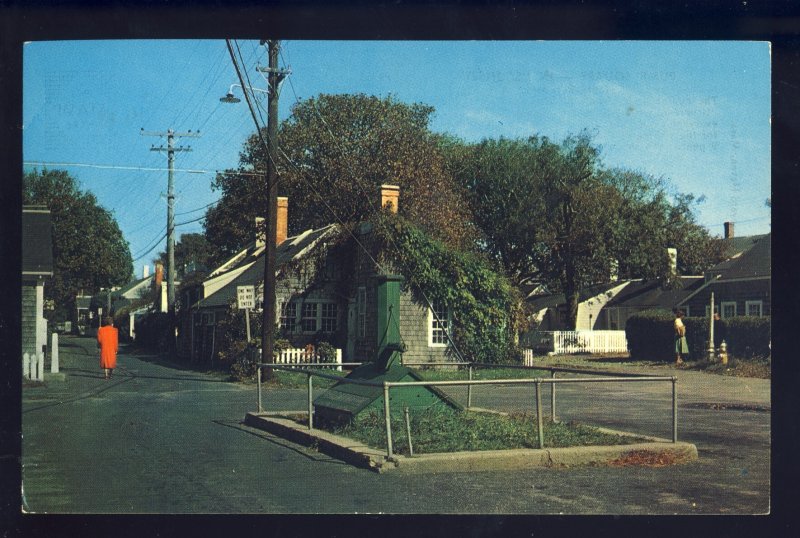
244	361
326	352
651	336
748	337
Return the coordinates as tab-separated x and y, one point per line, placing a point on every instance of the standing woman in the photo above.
681	346
108	342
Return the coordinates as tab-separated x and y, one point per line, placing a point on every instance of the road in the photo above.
158	438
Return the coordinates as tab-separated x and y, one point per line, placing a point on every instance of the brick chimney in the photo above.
728	230
390	197
159	277
260	232
282	228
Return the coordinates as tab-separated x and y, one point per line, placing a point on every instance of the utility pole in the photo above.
170	149
275	75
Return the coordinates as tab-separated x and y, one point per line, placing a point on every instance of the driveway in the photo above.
161	439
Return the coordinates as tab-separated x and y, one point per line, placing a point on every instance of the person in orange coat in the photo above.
108	342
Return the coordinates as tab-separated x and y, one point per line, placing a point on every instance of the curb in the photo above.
366	457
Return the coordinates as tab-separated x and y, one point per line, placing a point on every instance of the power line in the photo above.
137	168
198	209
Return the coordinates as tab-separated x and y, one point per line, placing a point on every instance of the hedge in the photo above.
748	337
650	336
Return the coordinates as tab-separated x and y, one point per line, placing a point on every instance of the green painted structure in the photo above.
345	401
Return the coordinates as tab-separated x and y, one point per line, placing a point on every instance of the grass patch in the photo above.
296	380
444	430
482	373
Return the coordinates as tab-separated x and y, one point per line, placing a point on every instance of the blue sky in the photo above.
695	113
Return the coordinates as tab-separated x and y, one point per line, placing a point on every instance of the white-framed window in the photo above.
716	309
309	317
330	315
361	303
438	325
728	309
288	321
686	309
208	318
754	308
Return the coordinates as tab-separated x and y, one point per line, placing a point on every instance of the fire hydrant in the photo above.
723	352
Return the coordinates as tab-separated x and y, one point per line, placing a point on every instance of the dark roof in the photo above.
647	294
756	262
37	242
552	300
254	275
129	286
737	245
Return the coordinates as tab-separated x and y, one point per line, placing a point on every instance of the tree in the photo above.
502	181
192	253
89	251
649	221
552	213
335	151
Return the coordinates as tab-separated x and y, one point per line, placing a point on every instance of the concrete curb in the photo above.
363	456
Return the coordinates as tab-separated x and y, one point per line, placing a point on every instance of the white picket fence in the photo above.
569	342
300	356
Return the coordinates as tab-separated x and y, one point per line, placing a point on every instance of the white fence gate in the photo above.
568	342
301	356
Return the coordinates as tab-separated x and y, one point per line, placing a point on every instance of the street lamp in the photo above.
229	97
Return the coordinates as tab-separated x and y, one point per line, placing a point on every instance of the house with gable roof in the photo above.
326	282
741	284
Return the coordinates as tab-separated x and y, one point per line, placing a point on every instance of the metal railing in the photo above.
604	377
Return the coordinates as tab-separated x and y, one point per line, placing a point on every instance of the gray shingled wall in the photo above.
413	317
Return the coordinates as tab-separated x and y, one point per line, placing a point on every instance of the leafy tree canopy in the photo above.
89	251
334	153
550	212
193	253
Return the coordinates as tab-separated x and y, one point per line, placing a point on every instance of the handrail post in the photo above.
539	412
258	375
408	433
553	398
674	409
310	401
469	389
387	414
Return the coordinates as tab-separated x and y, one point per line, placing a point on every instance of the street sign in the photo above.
245	297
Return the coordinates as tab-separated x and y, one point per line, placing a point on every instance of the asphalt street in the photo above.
160	438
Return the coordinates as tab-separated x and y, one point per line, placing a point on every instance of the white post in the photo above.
40	367
54	354
339	359
26	365
711	330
